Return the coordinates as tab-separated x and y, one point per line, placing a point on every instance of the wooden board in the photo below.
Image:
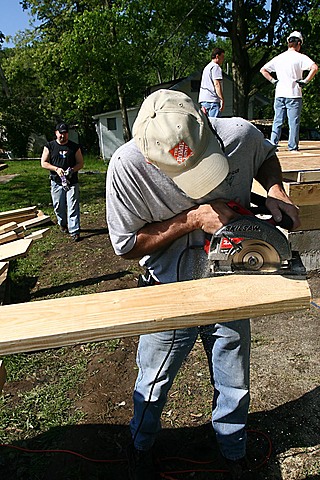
8	237
3	267
310	217
38	234
302	176
7	227
34	222
303	193
89	318
4	270
18	218
12	250
3	375
18	212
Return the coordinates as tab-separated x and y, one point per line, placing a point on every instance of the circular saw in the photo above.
250	244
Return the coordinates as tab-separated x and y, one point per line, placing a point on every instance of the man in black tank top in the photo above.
63	158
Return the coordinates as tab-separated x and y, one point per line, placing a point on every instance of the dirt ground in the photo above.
284	417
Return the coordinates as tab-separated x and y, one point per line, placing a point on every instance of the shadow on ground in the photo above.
104	447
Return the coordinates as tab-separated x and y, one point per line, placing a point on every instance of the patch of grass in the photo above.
52	376
32	187
47	382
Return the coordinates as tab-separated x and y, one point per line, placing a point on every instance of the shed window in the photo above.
112	123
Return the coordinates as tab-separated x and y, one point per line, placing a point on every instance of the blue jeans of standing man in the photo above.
291	108
66	206
228	351
212	108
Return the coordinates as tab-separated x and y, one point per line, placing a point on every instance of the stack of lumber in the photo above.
301	175
15	241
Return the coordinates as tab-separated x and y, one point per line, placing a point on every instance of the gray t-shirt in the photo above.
207	92
138	193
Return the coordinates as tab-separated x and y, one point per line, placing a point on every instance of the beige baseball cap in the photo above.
174	135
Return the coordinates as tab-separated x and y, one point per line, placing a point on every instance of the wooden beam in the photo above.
8	237
89	318
12	250
15	218
34	222
7	227
3	267
310	217
302	176
3	375
38	234
303	193
18	212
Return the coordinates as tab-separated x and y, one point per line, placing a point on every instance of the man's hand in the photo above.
302	82
212	216
274	81
59	171
278	202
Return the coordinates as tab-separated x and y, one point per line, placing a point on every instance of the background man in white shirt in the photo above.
289	67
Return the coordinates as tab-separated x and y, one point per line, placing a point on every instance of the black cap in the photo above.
62	127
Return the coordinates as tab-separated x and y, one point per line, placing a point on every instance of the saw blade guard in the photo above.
249	243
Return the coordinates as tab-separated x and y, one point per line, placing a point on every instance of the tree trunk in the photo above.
124	114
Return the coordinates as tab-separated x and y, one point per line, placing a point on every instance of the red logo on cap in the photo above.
181	152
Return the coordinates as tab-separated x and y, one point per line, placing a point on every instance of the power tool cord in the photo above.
166	474
165	358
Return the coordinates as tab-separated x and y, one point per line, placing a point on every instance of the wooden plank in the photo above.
8	237
18	212
3	375
89	318
258	188
303	193
4	270
3	267
309	176
12	250
310	217
302	176
38	234
34	222
18	219
7	227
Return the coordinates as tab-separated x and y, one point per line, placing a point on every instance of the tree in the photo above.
92	53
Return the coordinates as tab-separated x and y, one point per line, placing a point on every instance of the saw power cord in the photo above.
202	466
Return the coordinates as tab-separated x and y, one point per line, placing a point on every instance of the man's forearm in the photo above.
160	235
218	88
270	173
156	236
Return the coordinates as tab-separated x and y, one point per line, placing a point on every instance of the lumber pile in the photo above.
95	317
15	241
303	187
301	175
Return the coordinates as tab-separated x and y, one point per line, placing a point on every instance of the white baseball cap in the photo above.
174	135
295	34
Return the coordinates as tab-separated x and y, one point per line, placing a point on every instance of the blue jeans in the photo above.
227	347
291	108
66	206
212	108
